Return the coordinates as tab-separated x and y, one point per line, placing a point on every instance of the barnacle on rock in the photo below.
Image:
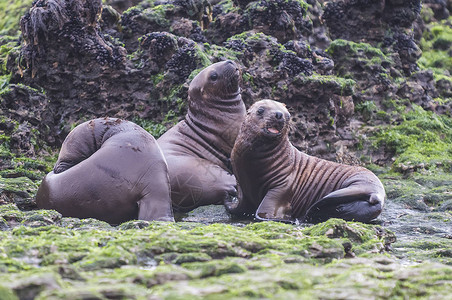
183	62
161	46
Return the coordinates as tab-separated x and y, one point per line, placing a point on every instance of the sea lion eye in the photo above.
213	76
260	111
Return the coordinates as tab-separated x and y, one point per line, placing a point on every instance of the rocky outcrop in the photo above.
329	61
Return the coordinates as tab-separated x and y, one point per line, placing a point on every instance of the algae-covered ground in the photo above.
380	98
49	257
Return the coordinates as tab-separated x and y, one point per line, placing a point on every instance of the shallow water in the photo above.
418	233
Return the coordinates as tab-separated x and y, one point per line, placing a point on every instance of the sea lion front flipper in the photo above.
155	204
238	205
350	204
155	209
275	207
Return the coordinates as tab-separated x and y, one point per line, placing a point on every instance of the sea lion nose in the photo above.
230	62
278	115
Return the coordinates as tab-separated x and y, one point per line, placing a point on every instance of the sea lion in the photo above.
278	182
109	169
198	148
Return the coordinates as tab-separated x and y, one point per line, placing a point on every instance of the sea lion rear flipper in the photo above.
350	204
275	207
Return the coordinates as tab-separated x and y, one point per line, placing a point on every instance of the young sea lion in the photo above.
111	170
198	149
278	182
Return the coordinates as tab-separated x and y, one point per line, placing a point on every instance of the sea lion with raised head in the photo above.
278	182
109	169
198	148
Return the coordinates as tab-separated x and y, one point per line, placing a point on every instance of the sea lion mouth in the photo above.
272	130
233	95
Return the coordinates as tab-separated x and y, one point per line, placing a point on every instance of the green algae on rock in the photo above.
424	192
10	14
422	140
46	256
139	255
379	277
20	190
7	294
435	44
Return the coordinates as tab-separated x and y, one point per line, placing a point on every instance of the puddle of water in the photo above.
409	225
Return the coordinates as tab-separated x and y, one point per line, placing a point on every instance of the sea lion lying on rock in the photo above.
278	182
198	149
109	169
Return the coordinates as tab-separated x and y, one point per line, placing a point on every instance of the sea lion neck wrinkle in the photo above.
250	154
198	148
216	120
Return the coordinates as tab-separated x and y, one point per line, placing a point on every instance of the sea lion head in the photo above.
267	119
217	81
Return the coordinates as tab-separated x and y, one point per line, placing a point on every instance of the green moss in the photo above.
102	291
8	44
367	109
337	85
427	14
10	211
248	37
10	14
434	249
261	6
218	261
374	278
218	52
21	166
84	224
436	45
364	238
216	267
422	138
107	257
355	48
340	228
227	6
399	106
7	294
420	191
355	60
156	79
157	14
19	184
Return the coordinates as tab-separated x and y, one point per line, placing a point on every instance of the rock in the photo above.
7	294
19	191
206	215
29	288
